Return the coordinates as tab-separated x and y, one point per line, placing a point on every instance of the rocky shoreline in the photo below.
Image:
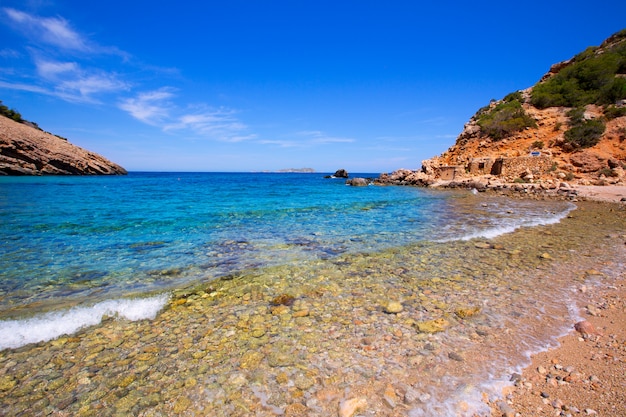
489	183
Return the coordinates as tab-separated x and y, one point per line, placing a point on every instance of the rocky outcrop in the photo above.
406	177
25	150
341	173
511	141
540	149
358	182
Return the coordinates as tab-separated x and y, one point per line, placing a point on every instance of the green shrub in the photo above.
589	79
607	172
585	134
613	112
538	144
506	118
10	113
576	115
516	96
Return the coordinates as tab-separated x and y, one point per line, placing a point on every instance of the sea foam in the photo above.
16	333
513	225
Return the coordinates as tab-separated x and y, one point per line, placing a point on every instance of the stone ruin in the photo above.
513	167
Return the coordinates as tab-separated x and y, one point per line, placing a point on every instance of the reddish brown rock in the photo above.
585	328
25	150
587	162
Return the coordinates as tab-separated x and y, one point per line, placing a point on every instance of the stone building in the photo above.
449	172
535	164
513	167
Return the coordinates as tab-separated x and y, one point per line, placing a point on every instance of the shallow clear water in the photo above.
482	266
68	240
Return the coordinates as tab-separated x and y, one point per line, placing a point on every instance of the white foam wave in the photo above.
49	326
513	225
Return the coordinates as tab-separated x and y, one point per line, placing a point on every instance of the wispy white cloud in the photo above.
78	74
9	53
316	136
157	108
52	70
151	107
306	139
70	82
55	31
219	123
25	87
85	86
281	143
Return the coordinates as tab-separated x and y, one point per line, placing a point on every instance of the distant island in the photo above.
300	170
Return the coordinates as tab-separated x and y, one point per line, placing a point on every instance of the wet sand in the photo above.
586	373
428	329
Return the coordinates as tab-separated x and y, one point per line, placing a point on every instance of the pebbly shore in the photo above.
586	374
436	328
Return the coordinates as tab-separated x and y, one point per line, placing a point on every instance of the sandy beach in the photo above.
613	193
586	373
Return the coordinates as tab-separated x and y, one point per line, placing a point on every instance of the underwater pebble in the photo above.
347	408
393	307
225	349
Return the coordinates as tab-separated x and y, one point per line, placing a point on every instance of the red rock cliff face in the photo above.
586	165
601	164
25	150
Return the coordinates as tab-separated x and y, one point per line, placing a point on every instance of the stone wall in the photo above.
449	172
482	166
537	165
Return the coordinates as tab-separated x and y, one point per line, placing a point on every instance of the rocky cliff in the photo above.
569	127
26	150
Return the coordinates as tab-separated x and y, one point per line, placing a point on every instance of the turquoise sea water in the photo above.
67	241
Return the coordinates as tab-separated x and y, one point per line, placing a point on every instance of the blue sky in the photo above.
369	86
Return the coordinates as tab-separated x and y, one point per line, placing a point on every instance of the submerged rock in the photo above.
432	326
464	313
393	307
283	300
347	408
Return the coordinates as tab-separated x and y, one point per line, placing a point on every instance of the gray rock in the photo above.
411	396
507	410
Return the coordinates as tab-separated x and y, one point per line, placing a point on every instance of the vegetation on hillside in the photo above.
583	133
10	113
505	118
595	76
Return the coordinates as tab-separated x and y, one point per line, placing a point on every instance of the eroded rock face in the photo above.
588	161
25	150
